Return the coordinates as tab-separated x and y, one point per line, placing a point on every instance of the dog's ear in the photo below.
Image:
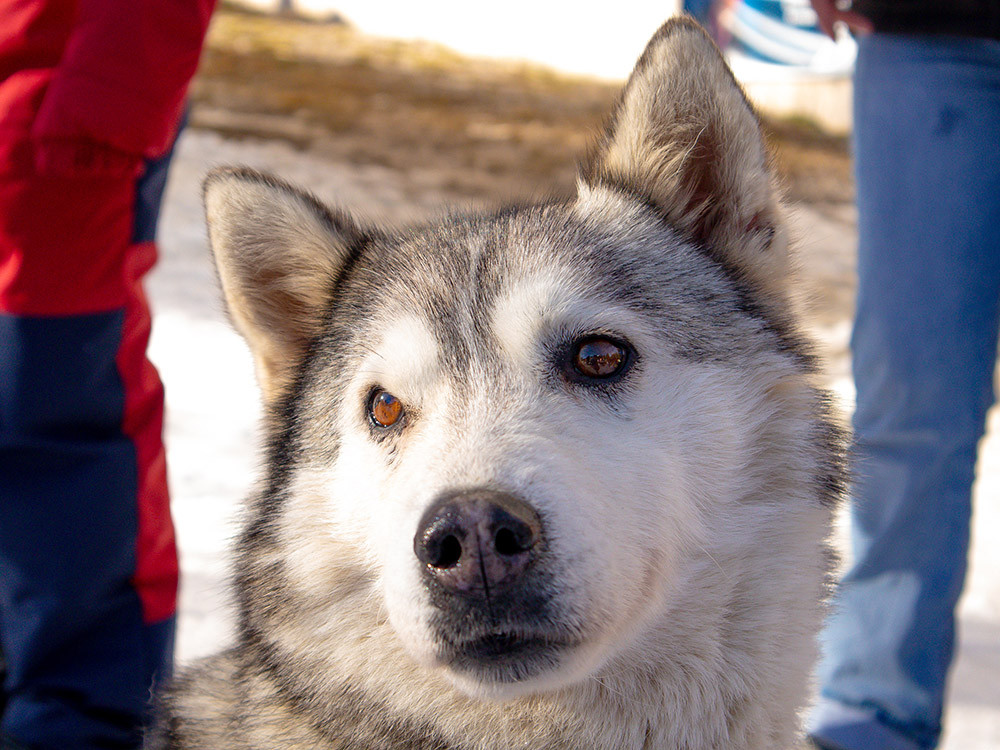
684	137
279	253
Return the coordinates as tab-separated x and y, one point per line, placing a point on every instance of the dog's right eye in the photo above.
384	409
599	358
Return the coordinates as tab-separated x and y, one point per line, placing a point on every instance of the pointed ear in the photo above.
279	253
683	136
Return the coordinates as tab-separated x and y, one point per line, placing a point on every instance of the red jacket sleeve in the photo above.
117	94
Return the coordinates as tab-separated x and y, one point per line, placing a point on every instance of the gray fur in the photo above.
674	247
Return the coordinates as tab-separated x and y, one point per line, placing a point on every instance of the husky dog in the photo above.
556	476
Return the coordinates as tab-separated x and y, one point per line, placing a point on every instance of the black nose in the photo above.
478	542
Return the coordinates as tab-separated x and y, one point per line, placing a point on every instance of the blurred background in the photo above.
397	110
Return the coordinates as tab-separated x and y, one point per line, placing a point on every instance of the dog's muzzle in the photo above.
483	553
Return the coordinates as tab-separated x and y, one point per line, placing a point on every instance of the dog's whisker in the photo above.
605	686
710	557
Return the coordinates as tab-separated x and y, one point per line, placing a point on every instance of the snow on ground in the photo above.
212	436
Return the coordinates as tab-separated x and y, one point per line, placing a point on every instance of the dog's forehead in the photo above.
467	264
465	275
479	279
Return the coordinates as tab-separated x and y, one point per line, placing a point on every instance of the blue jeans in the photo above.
927	162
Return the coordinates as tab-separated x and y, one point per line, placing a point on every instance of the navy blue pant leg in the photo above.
80	654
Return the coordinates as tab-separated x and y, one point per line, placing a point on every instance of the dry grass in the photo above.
483	127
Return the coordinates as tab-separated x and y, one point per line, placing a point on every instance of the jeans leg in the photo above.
927	114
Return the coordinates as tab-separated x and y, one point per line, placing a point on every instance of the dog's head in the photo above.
516	436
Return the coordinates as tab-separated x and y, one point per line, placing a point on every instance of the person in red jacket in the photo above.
91	96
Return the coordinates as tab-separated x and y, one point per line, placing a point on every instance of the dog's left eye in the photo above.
384	409
599	358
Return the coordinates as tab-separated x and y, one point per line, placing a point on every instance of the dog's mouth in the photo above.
516	635
501	647
505	656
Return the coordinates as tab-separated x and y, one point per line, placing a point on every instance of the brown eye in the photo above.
599	358
384	409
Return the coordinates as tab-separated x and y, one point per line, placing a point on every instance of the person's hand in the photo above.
829	14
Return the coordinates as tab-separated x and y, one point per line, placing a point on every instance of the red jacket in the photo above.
88	89
94	85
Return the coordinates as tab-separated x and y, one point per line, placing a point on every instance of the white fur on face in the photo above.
636	492
404	360
614	482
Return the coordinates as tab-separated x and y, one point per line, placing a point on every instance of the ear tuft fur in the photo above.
279	253
684	136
